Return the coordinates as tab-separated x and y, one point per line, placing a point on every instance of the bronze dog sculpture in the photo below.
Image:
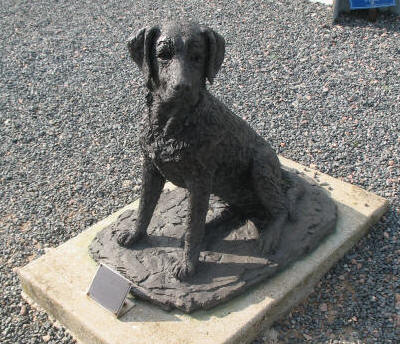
194	141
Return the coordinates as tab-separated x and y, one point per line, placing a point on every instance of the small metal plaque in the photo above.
109	289
364	4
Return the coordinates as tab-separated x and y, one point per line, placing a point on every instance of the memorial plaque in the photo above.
109	289
365	4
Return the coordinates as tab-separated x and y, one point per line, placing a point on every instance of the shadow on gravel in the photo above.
359	18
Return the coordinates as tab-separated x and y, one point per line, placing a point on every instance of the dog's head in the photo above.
177	59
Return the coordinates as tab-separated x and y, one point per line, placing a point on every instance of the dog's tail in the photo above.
294	191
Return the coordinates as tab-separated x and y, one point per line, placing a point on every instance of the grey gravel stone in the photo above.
70	104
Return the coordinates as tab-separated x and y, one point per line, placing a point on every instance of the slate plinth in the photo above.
58	281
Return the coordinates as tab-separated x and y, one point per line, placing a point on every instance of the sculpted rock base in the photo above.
231	260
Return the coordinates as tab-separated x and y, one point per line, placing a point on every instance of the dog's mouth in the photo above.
182	98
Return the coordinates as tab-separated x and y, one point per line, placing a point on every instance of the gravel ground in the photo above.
71	100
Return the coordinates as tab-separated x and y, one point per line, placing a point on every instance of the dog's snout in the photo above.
182	86
181	82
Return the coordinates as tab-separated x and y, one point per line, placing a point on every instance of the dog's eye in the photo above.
165	54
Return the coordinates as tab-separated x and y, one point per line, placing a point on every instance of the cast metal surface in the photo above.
193	140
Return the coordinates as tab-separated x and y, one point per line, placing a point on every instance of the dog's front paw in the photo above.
268	243
127	238
183	270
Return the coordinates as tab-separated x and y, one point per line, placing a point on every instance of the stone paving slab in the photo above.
58	281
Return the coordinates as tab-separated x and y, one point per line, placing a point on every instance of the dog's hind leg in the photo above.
267	185
152	185
294	192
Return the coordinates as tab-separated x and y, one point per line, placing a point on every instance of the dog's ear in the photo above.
215	53
141	47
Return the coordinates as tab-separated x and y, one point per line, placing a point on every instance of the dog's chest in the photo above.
173	156
169	151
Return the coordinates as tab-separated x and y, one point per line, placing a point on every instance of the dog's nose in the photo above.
182	86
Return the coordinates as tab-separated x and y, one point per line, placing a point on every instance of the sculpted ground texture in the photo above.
230	261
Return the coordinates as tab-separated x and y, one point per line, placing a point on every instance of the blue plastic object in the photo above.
391	6
363	4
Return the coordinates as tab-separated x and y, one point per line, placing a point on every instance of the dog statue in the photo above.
193	140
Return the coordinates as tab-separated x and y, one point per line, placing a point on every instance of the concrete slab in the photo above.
58	282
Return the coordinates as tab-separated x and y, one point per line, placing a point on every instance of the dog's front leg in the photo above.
199	196
152	185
